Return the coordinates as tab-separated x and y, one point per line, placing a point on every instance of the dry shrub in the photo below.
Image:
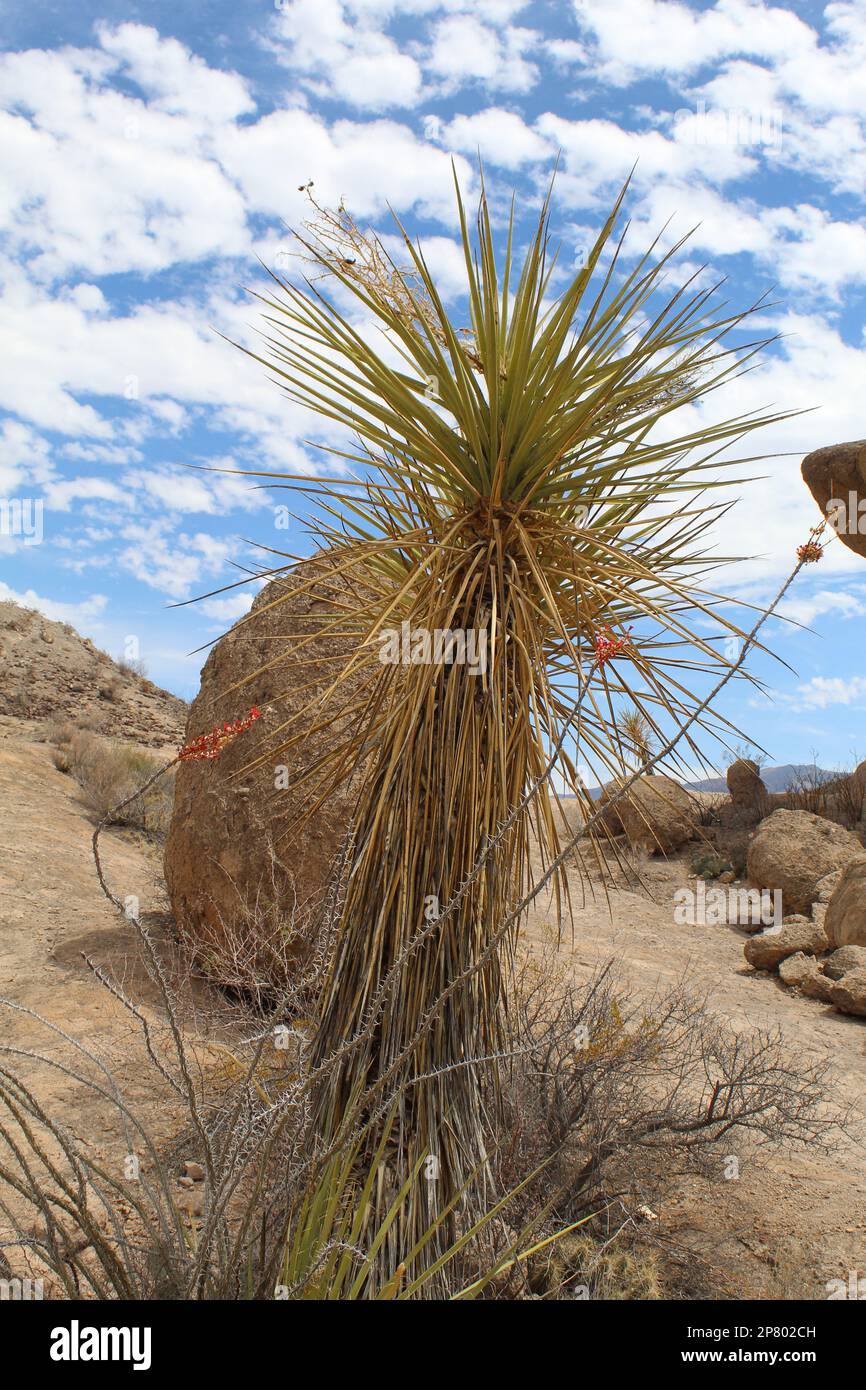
271	952
838	799
108	772
278	1212
623	1096
133	666
611	1096
585	1265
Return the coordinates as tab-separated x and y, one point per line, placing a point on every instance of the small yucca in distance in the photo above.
524	481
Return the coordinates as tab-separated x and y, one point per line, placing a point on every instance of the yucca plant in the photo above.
525	484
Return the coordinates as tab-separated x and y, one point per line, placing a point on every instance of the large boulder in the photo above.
766	950
838	473
655	814
848	995
793	851
746	787
845	922
242	855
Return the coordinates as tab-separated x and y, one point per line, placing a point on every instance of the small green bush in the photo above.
707	863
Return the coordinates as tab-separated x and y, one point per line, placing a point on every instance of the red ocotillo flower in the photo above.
208	746
811	552
607	646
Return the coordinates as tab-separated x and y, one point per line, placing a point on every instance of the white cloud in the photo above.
178	489
60	495
837	603
80	615
24	457
465	50
99	181
172	564
349	61
636	37
502	137
174	79
599	154
229	608
822	691
370	164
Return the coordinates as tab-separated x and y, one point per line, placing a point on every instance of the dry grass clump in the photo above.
583	1266
109	771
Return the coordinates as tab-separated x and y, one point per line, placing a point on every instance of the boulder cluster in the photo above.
819	947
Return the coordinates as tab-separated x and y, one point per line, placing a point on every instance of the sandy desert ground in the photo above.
793	1220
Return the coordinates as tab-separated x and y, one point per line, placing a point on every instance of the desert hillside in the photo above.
49	671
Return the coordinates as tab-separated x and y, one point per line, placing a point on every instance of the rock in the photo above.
804	973
838	473
194	1172
746	787
794	850
191	1202
233	863
656	814
796	968
826	886
848	995
815	985
769	947
845	922
844	959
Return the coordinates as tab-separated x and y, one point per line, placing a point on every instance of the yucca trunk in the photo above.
453	759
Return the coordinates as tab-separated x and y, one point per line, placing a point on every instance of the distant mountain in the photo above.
776	779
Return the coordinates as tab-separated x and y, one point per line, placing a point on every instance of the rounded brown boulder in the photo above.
243	855
845	923
838	474
656	813
794	850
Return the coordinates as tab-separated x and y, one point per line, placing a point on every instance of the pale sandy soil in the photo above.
801	1212
52	914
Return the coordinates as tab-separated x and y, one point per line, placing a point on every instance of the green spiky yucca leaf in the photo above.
525	482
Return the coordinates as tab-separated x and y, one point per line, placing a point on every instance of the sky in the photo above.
151	155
